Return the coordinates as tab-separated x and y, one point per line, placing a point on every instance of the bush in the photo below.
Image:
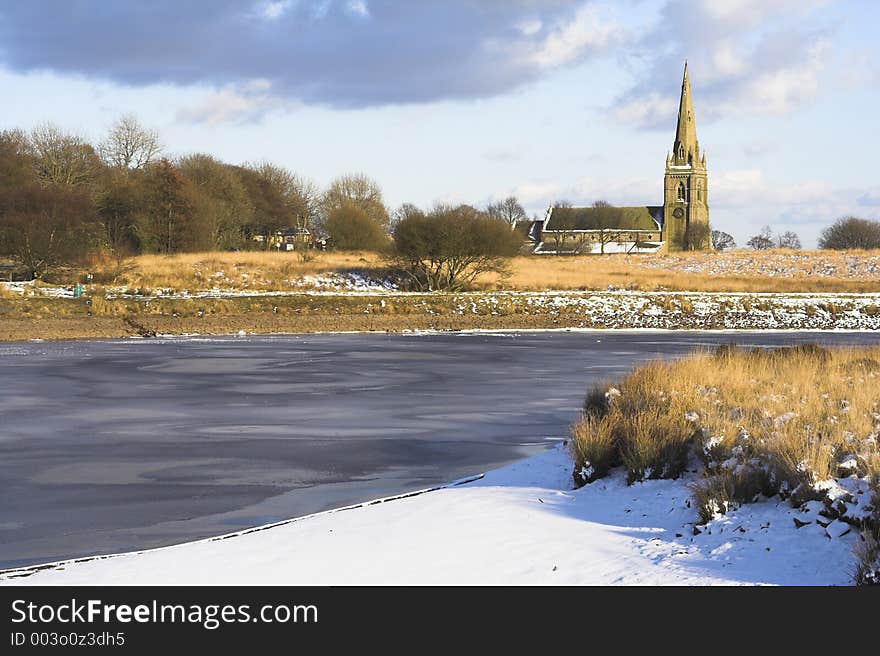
850	233
594	448
449	247
783	421
351	228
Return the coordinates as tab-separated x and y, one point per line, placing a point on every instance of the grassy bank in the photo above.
46	317
739	271
800	423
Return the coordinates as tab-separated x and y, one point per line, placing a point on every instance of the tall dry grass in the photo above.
251	270
762	422
766	271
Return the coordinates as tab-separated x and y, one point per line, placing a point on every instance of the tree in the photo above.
722	241
119	205
17	166
300	196
762	241
221	201
44	228
356	189
606	219
351	228
405	211
129	145
508	210
449	247
62	158
169	224
563	225
788	239
851	232
698	236
270	210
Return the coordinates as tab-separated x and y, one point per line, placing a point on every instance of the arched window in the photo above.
682	192
690	159
699	190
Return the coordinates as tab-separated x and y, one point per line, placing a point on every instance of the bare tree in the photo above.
45	227
762	241
698	236
221	198
508	209
606	219
62	158
301	196
851	232
129	145
788	239
448	248
359	190
722	241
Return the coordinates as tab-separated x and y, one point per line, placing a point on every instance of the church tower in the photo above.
685	188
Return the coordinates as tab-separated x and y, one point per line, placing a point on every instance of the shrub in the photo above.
449	247
849	233
351	228
594	448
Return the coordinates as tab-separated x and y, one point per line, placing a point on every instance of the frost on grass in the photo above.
799	424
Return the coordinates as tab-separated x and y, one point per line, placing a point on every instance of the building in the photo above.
288	239
681	223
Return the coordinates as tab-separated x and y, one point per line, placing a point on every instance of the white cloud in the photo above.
272	11
530	27
748	57
587	31
232	104
358	8
647	109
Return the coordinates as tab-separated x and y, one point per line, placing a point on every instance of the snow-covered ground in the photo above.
523	524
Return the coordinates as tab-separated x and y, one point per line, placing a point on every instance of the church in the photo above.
681	223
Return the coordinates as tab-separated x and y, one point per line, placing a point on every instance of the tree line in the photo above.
63	199
846	233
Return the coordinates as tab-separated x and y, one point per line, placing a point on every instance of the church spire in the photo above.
686	149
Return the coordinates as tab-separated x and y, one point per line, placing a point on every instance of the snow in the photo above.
523	524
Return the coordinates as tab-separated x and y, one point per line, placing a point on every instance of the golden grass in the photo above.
762	421
251	270
739	271
766	271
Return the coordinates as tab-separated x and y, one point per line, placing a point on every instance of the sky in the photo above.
474	100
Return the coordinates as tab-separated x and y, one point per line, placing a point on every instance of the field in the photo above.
738	271
799	423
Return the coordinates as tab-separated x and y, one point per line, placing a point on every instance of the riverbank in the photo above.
522	524
58	315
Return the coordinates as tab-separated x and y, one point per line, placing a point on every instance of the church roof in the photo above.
609	218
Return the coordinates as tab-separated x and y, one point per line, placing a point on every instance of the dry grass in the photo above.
252	270
785	421
767	271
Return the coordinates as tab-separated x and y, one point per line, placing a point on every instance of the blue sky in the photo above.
469	100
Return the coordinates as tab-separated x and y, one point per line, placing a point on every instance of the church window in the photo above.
681	191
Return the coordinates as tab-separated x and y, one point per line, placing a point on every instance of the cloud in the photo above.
586	31
338	53
358	8
232	104
746	57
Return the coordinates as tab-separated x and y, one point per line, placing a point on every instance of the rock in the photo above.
799	524
837	529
